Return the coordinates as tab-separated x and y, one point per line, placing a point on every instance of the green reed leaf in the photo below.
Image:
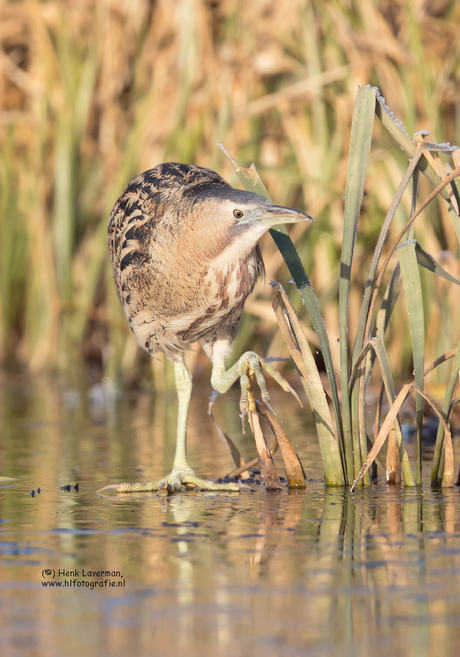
299	348
360	145
426	260
365	306
413	289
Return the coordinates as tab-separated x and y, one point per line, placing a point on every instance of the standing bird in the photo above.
185	256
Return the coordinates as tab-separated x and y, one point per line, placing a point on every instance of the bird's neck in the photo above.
234	246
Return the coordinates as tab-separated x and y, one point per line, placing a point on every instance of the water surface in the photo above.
317	572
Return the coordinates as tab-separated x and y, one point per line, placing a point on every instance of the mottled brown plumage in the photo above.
185	256
164	236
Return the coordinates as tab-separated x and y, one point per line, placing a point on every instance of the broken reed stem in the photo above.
243	468
393	464
266	462
292	465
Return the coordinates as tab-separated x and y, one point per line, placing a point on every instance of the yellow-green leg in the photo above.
181	475
222	379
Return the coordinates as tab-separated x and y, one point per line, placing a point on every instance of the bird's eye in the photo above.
238	214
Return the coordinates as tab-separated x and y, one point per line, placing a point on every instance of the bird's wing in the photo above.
142	210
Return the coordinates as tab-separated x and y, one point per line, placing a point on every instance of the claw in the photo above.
243	417
165	488
294	394
250	365
268	405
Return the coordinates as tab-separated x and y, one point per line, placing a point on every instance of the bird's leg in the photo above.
249	363
181	475
183	380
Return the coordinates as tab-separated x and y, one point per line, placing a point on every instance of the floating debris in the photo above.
68	487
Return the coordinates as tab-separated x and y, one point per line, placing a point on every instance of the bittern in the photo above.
185	256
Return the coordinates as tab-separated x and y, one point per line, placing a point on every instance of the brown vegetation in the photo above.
92	93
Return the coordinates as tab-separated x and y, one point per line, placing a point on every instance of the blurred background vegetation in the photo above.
95	91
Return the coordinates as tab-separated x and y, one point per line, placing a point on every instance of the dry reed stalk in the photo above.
393	466
93	93
292	465
266	463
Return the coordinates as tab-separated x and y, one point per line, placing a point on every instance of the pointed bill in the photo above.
273	215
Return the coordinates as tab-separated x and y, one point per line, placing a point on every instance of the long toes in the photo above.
133	488
256	366
164	486
173	483
244	397
280	380
244	385
206	484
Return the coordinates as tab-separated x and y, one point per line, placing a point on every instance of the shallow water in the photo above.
292	573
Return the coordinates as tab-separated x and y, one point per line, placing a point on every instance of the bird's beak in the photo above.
272	215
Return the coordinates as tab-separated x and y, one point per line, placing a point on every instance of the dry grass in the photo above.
93	92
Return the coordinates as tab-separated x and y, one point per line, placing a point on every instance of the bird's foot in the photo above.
175	482
250	365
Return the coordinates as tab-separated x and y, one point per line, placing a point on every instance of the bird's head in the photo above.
210	215
253	210
237	215
239	208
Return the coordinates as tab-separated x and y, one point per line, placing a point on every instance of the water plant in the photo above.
92	95
347	448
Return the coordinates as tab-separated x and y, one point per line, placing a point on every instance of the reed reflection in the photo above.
321	569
